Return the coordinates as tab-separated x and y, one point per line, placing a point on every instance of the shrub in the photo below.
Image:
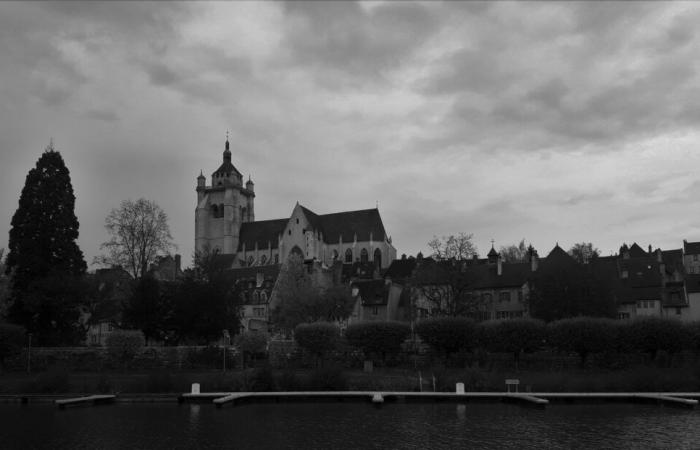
262	380
447	334
380	338
124	345
251	343
11	341
653	334
583	335
512	336
318	338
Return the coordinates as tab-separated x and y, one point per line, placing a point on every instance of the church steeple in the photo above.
227	151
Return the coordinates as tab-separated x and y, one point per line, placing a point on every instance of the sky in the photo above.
549	122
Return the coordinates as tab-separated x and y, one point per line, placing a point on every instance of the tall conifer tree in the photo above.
43	247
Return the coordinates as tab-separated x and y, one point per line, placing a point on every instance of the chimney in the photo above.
533	262
499	265
649	249
659	257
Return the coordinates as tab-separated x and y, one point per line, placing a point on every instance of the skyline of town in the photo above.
419	115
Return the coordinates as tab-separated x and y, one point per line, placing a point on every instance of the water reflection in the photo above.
348	425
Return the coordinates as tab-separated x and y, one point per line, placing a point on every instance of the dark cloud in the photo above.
343	40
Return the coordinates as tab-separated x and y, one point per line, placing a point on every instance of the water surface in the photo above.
348	425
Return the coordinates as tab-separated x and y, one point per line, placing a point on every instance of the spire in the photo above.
227	151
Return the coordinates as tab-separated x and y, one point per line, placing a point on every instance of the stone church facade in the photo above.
225	223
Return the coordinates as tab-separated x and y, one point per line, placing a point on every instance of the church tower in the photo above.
222	207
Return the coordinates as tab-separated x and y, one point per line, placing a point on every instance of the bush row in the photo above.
582	336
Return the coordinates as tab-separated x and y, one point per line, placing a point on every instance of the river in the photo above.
348	425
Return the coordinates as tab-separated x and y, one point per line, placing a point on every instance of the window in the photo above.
277	258
250	260
348	255
695	257
263	297
256	297
258	312
378	258
678	311
623	315
297	221
520	296
625	274
263	260
504	296
486	297
289	232
375	310
364	257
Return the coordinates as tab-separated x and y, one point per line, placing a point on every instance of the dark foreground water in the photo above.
348	425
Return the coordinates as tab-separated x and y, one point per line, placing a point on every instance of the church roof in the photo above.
348	223
262	232
637	252
227	167
691	248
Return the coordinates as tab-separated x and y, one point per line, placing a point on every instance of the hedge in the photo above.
584	335
447	334
512	336
378	338
318	337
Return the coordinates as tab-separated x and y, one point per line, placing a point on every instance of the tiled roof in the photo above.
512	275
224	261
372	292
245	273
637	252
227	167
626	294
261	232
349	223
691	248
401	268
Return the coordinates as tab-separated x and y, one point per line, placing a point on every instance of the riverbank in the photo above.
637	379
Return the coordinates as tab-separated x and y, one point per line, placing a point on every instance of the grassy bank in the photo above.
650	379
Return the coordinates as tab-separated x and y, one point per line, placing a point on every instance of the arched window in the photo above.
277	258
377	258
263	260
348	255
297	252
250	260
364	257
263	297
256	297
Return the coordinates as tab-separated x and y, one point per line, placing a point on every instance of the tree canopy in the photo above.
139	233
584	252
446	287
514	253
300	299
44	260
453	247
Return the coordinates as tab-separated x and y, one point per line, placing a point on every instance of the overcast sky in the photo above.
553	122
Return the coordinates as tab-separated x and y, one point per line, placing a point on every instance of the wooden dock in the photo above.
536	399
89	400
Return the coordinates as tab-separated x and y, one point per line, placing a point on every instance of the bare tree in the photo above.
453	247
139	233
445	287
584	252
514	253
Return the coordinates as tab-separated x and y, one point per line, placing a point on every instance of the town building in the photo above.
254	252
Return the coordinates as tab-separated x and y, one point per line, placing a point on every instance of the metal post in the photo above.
29	354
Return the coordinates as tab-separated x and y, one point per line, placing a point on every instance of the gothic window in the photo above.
263	260
378	258
256	297
348	255
277	258
364	257
263	297
250	260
